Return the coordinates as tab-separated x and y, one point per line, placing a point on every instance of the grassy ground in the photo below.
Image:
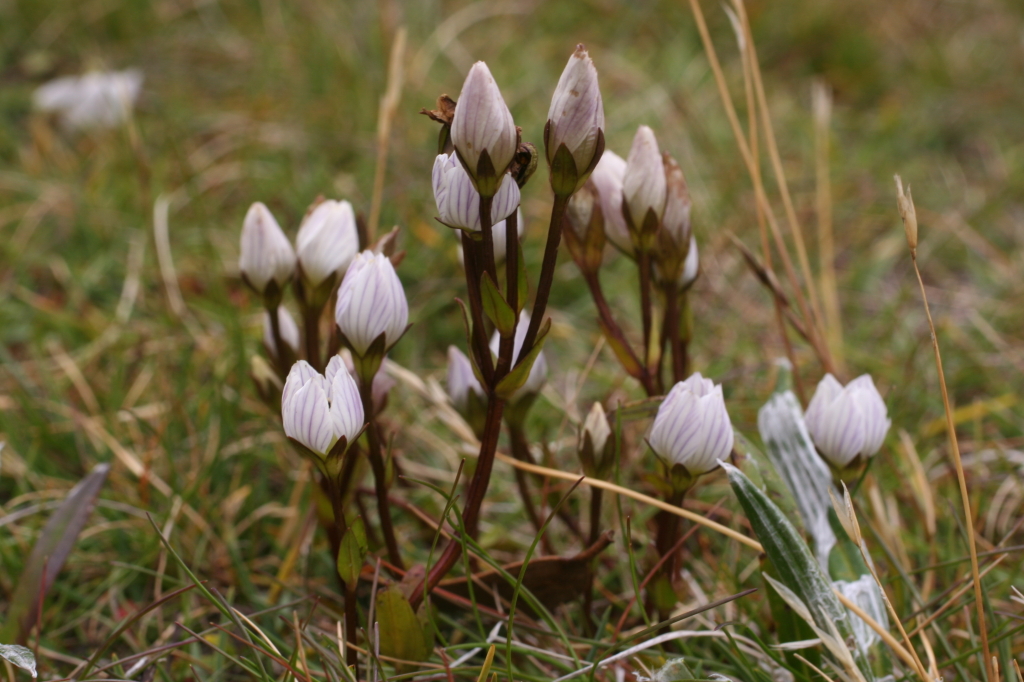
278	102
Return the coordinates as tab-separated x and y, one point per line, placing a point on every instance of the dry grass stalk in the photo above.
821	99
388	107
759	191
905	204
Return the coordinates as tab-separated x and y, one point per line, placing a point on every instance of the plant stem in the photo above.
667	535
488	238
474	499
340	528
281	351
479	348
547	273
612	328
954	447
311	322
380	477
647	309
675	341
596	495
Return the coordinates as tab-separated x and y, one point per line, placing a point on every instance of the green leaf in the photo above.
19	656
564	175
791	451
352	551
496	307
515	379
801	581
51	550
401	634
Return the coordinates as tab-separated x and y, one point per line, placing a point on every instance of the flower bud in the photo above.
458	203
464	389
643	183
692	427
607	180
327	242
319	410
691	266
266	256
585	237
371	302
268	383
847	423
289	331
482	128
576	120
595	446
676	220
539	371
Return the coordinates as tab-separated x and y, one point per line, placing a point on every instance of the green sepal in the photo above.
497	309
469	342
564	175
352	552
515	379
369	362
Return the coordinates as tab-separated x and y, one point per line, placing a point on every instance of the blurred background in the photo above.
278	101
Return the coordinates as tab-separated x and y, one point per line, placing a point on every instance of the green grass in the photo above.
277	101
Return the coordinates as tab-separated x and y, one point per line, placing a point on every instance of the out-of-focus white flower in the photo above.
289	331
607	178
846	423
676	219
690	266
318	409
692	427
539	371
643	184
596	427
461	380
483	122
327	241
458	203
371	302
576	115
100	99
266	255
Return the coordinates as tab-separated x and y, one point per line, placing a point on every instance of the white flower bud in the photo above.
596	426
576	115
99	99
289	331
676	220
692	427
318	410
483	122
607	179
461	380
458	203
846	423
539	371
266	254
327	241
690	266
371	301
643	184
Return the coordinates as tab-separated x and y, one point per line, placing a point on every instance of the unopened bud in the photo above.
266	256
607	181
371	303
643	185
847	424
585	237
483	132
319	410
458	203
288	329
692	427
327	242
905	204
575	120
595	446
